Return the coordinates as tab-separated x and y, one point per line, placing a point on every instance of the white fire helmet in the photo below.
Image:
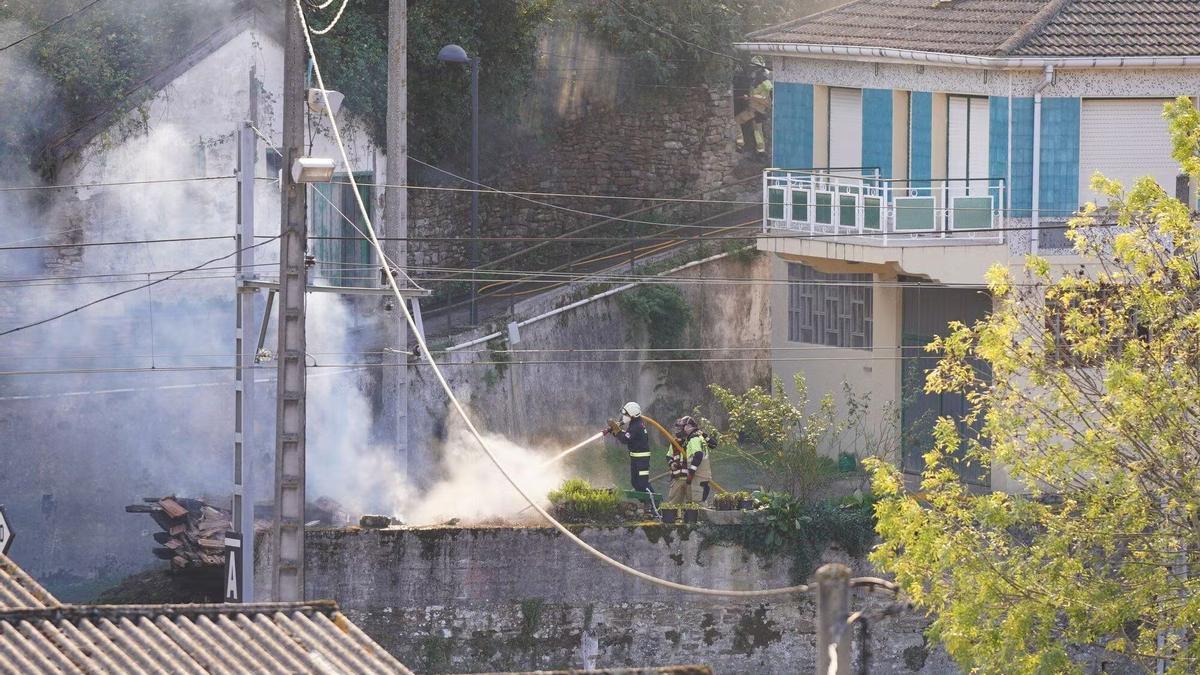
631	410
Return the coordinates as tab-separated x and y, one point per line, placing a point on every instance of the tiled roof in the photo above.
18	590
40	635
1057	28
1120	28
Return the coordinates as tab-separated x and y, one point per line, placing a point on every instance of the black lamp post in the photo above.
456	54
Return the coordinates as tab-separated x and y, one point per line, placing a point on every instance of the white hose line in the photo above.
425	353
568	451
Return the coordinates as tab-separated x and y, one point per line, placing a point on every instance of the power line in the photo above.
50	25
122	274
89	244
571	195
78	186
127	290
408	317
443	364
94	282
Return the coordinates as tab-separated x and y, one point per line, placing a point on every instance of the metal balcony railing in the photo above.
881	211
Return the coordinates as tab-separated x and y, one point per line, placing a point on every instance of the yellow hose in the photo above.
678	448
670	436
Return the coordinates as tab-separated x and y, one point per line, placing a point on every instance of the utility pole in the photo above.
394	331
287	552
243	424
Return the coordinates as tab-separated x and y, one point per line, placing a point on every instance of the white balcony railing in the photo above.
884	212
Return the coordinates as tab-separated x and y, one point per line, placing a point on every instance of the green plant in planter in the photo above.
728	501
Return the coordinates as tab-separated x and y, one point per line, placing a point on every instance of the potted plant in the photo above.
745	501
691	512
728	501
670	513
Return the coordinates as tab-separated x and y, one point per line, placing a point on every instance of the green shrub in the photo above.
578	502
662	309
801	531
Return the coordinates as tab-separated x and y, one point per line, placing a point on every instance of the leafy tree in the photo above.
683	41
1093	410
502	34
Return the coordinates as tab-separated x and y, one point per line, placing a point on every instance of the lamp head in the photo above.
453	54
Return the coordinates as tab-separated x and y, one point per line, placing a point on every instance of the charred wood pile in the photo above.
193	532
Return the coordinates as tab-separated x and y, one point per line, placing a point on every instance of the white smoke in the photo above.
473	488
366	477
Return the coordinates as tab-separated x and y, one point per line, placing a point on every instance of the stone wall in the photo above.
660	145
451	599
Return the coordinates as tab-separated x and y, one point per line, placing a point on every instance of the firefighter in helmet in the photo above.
632	433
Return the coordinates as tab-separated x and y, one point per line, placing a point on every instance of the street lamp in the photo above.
456	54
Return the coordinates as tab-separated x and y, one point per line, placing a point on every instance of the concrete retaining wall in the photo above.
453	599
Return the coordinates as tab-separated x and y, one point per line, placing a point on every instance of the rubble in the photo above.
193	532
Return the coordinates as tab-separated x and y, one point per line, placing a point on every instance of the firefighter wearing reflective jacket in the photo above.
633	435
692	466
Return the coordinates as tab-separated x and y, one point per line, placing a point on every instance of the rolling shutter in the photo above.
967	142
845	127
979	144
1124	140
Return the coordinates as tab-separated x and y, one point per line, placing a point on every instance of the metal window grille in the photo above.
834	310
343	254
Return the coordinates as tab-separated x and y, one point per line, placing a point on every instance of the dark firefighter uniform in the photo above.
635	437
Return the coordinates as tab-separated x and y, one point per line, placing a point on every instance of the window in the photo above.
829	309
343	254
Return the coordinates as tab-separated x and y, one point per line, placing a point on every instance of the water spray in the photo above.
571	449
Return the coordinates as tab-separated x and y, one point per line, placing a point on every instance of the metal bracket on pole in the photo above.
266	321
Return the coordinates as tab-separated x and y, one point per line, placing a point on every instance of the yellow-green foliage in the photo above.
578	502
775	434
1096	421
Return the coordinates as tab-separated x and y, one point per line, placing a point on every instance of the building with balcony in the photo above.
917	143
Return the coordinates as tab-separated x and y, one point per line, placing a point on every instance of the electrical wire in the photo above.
571	195
79	186
336	18
122	274
458	405
89	244
50	25
10	331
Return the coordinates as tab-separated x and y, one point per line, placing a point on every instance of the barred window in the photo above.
829	309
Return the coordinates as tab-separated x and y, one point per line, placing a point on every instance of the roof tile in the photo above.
1059	28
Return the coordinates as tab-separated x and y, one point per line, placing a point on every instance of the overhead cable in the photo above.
50	25
129	290
89	244
458	405
80	186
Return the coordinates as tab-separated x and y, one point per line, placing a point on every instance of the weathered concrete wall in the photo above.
482	599
562	395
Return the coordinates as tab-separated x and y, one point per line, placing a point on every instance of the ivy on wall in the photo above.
87	65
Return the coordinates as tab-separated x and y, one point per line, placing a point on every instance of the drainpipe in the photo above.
1047	78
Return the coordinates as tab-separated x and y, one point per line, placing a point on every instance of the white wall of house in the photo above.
93	443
